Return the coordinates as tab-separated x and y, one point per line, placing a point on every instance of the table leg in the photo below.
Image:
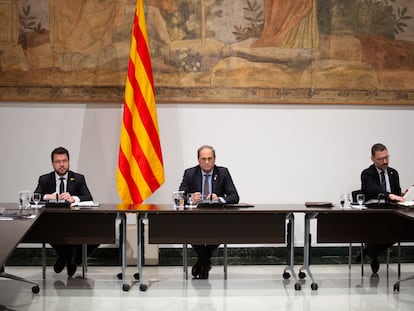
306	252
122	233
185	260
84	259
225	260
44	260
289	269
140	232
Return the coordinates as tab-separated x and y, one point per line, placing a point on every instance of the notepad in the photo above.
57	204
86	204
209	204
318	204
238	205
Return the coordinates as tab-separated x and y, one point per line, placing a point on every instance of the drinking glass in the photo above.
36	199
360	199
190	200
342	199
24	199
178	199
345	200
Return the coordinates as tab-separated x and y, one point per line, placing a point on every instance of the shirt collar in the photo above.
57	176
207	173
379	171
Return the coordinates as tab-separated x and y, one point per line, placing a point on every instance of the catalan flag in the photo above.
140	166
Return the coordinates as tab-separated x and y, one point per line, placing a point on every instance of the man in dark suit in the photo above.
207	181
379	180
64	184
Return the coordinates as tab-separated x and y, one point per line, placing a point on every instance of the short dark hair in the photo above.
377	147
206	146
59	150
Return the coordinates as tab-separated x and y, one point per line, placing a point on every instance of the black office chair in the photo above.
397	284
354	195
3	274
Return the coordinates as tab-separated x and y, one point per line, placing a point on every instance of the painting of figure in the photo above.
264	51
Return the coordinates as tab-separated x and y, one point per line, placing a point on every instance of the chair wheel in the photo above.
119	276
143	287
136	276
298	286
314	286
125	287
286	275
35	289
396	287
302	275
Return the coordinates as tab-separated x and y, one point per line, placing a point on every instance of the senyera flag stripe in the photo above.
140	165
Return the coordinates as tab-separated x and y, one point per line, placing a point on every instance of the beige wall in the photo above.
275	153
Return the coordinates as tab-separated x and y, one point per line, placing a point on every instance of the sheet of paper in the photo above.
409	195
86	204
407	203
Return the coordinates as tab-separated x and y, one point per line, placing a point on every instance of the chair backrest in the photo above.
355	193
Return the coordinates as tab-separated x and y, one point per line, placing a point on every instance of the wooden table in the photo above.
14	225
339	225
78	226
258	224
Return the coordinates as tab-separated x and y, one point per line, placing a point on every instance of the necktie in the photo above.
206	191
383	183
62	185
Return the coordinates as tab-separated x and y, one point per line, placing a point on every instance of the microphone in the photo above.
383	198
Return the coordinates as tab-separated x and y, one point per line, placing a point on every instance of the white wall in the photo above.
275	153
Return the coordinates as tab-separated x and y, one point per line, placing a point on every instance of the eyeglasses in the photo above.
382	159
206	159
61	161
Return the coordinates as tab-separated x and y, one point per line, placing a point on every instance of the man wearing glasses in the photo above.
211	182
379	181
64	184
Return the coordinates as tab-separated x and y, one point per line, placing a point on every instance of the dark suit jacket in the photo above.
76	185
371	184
221	182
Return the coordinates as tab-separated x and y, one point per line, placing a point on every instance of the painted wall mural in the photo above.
256	51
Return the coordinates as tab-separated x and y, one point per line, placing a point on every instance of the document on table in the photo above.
357	206
318	204
86	204
17	216
409	195
6	218
407	204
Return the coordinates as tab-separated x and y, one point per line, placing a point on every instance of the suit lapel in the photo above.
70	182
214	180
52	180
198	180
391	178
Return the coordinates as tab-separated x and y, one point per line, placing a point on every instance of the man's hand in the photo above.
397	198
196	197
67	197
51	196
